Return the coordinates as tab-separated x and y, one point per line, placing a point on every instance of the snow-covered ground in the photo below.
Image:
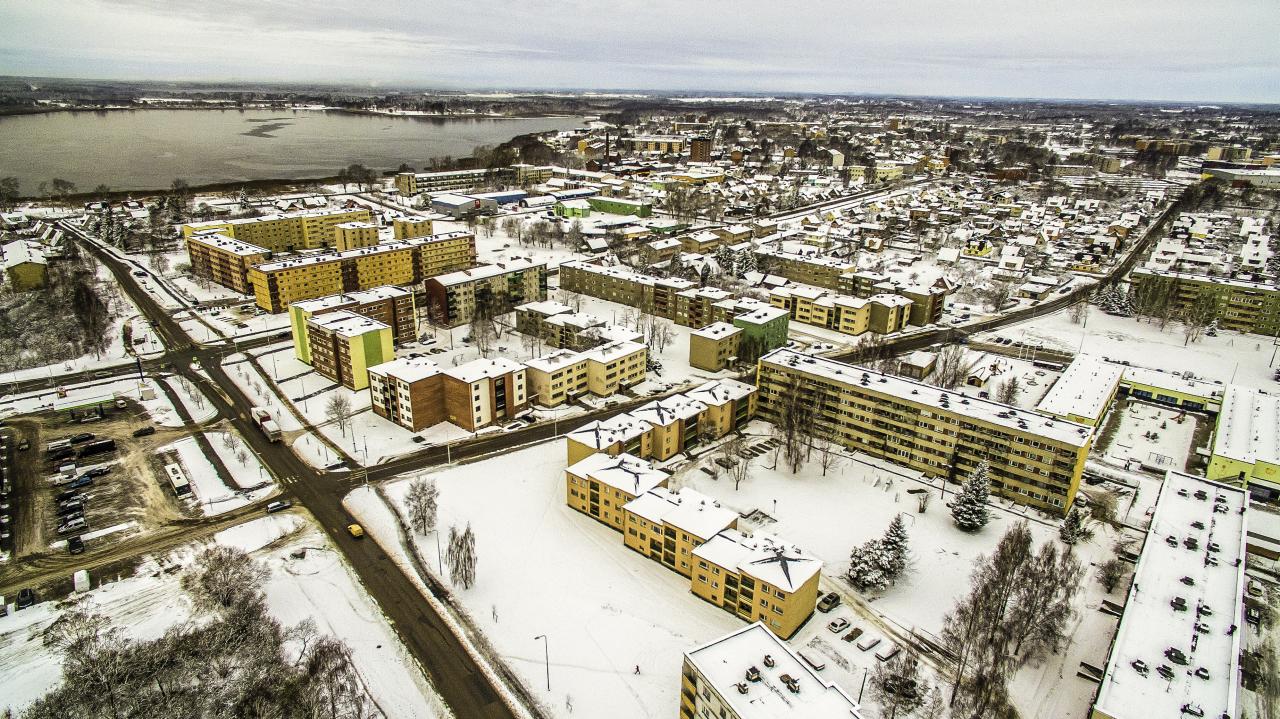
318	585
211	493
829	516
1156	436
545	569
1231	357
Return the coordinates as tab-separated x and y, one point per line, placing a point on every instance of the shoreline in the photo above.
406	115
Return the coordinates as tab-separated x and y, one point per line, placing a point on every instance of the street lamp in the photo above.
546	655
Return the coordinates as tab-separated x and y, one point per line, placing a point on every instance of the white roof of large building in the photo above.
716	331
625	472
983	410
717	392
216	239
724	664
1194	552
343	299
662	412
1249	426
607	432
347	324
1083	389
486	271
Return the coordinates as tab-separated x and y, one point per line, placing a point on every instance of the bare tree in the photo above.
898	685
423	502
829	456
338	410
461	556
1110	573
224	578
1079	312
952	367
1009	390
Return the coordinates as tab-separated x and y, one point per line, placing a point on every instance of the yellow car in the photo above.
355	530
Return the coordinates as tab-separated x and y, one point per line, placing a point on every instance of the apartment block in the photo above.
757	578
1239	305
752	674
392	306
404	228
714	347
664	428
498	288
284	233
223	260
1034	459
412	183
343	345
928	302
354	235
280	283
1246	442
559	326
599	485
881	314
808	269
602	371
416	393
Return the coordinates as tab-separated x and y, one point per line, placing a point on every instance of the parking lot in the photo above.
82	474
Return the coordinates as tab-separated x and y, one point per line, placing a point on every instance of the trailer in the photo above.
269	427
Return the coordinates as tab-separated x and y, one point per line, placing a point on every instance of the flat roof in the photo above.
407	369
482	368
1083	389
344	299
1248	427
215	239
1194	551
716	330
958	403
347	324
486	271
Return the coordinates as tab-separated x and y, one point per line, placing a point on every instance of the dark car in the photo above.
26	597
144	431
829	602
67	495
75	545
82	437
61	454
98	472
81	481
72	507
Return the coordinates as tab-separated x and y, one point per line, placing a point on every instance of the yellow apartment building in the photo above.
1034	459
284	233
600	485
668	527
404	228
603	371
714	347
880	314
223	260
354	235
757	578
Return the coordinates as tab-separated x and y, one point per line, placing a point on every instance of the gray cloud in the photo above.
1166	49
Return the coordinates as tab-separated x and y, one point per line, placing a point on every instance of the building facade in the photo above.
284	233
343	345
223	260
392	306
454	298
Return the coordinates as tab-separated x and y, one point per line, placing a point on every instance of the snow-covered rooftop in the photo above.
663	412
347	324
1083	389
478	369
975	408
763	556
724	664
607	432
343	299
219	240
407	369
716	331
1178	644
1249	426
486	271
625	472
717	392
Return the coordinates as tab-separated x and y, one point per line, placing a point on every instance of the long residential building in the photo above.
412	183
754	577
223	260
559	326
881	314
1034	459
392	306
1240	305
285	233
1246	442
453	298
416	393
280	283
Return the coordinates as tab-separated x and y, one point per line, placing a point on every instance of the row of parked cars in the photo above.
71	503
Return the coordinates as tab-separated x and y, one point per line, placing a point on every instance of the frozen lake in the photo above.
147	149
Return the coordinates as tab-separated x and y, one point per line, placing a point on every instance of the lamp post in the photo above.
546	655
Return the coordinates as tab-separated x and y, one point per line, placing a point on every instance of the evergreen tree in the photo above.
1073	527
897	554
746	262
727	260
866	567
970	507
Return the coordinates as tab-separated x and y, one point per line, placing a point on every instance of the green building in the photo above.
620	206
763	330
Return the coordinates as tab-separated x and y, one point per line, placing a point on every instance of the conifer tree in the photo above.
970	507
1073	527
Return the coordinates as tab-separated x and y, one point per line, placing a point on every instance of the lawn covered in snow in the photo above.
546	569
211	493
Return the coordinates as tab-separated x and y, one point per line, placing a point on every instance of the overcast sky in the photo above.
1195	50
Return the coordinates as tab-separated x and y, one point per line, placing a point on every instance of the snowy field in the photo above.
546	569
318	586
1231	357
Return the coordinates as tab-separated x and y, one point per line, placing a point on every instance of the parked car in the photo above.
4	608
64	496
26	597
836	626
1252	615
99	471
144	432
75	545
71	508
829	602
24	445
355	530
279	506
81	481
72	525
82	437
